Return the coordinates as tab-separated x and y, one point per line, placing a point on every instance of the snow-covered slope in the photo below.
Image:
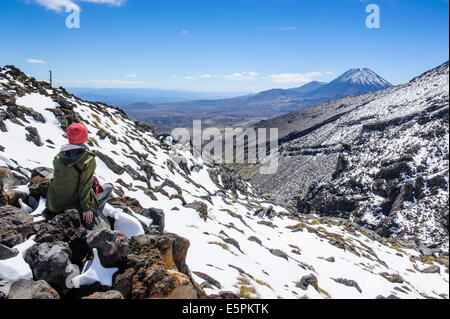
379	159
279	256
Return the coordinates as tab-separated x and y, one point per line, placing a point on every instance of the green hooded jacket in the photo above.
71	186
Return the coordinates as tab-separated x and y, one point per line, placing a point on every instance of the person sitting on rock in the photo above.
74	185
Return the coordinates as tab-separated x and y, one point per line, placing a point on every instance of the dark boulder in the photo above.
207	278
15	225
30	289
434	269
64	104
112	246
228	295
112	165
66	227
348	283
10	179
279	253
6	252
328	204
39	186
156	268
50	262
157	216
255	239
126	202
33	135
200	207
306	281
233	242
13	197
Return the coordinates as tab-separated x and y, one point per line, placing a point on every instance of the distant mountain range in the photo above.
250	108
121	96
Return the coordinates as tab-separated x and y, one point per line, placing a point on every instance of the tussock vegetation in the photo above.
395	247
94	140
235	215
96	117
263	283
224	246
245	289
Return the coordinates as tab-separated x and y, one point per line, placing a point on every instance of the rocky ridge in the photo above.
378	159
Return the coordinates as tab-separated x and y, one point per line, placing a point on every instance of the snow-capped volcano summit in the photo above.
353	82
363	76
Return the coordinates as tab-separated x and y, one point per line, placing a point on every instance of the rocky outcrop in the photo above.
348	283
112	294
50	262
157	216
66	227
15	226
279	253
306	281
10	179
3	195
111	245
156	268
227	295
201	208
4	288
112	165
33	136
207	278
230	179
39	186
30	289
6	252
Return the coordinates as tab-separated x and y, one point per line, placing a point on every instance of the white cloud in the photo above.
189	78
294	77
243	76
205	76
131	76
36	61
184	32
60	5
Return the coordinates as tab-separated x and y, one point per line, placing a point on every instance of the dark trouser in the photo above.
100	221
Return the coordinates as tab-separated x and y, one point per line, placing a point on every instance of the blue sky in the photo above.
212	45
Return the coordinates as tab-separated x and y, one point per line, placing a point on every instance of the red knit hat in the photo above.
77	133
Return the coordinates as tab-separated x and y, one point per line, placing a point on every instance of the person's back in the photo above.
74	168
70	188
